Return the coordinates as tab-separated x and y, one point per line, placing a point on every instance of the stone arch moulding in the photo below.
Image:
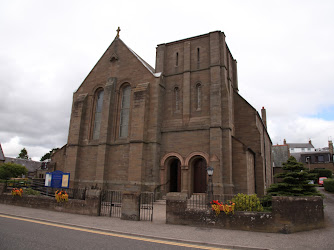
96	89
123	84
172	154
197	153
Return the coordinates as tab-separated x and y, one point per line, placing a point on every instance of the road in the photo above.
19	233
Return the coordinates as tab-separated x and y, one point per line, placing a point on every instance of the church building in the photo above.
138	128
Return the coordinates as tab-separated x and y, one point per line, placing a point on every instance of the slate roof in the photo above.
146	65
2	156
300	145
297	156
32	166
280	154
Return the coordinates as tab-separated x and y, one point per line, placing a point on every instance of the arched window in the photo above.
98	114
199	96
177	98
125	112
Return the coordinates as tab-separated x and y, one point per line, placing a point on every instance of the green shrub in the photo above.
12	170
295	181
329	185
30	191
245	202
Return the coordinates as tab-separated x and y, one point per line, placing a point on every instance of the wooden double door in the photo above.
199	176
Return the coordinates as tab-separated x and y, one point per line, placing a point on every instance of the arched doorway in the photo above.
199	176
175	176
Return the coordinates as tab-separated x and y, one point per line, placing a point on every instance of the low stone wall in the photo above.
289	214
89	206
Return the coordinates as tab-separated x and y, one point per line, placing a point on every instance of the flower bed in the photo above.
17	192
219	206
61	196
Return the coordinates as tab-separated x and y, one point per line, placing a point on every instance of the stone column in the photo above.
176	205
105	130
130	206
216	137
74	135
186	84
137	137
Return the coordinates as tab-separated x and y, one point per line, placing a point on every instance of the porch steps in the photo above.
162	201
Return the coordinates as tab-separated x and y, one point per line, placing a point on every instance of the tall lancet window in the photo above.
199	96
177	98
177	59
98	114
125	112
198	55
198	58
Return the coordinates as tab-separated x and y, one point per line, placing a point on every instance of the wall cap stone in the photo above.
175	196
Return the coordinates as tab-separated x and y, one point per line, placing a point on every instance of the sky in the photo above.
284	50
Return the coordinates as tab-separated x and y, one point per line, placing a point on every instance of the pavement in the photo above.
158	229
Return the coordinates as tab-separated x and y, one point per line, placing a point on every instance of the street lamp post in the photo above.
210	185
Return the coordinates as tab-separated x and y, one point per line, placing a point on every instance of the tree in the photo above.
48	155
12	170
295	181
23	154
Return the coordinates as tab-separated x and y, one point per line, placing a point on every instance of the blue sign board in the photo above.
57	179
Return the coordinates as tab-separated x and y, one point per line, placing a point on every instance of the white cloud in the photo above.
284	51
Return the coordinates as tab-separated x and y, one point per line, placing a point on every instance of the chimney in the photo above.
309	141
330	145
264	116
284	142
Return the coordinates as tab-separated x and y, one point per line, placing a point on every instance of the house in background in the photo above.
321	158
32	166
2	156
306	153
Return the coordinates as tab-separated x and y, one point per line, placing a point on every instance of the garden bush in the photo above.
329	185
245	202
294	181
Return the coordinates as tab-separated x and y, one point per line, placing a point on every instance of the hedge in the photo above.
322	172
329	185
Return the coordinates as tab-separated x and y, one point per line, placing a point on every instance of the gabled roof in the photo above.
115	56
2	156
300	145
146	65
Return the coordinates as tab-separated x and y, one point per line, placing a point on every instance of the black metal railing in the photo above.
146	206
200	201
111	203
38	185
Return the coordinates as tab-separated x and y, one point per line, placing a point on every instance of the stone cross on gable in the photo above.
118	30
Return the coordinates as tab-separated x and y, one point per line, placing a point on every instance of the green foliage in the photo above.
12	170
23	154
245	202
329	185
30	191
322	173
295	181
48	155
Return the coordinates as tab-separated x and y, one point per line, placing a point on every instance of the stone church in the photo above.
138	128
